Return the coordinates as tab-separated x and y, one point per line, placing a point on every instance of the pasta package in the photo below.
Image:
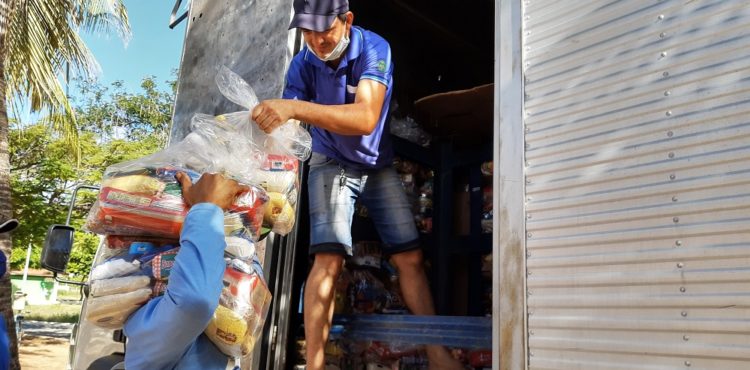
111	311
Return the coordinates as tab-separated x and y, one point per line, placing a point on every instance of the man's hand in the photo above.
272	113
210	188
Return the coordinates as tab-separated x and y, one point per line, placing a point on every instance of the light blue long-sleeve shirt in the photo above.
167	332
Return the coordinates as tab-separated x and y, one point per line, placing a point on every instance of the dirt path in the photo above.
43	353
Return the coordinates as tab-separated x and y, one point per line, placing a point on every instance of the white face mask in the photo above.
337	51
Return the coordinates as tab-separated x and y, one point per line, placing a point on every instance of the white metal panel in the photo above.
637	151
508	298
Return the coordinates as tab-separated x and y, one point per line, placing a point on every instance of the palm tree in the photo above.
39	40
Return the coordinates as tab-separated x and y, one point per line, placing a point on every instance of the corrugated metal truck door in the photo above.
637	177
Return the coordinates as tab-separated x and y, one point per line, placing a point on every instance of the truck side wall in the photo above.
249	37
637	168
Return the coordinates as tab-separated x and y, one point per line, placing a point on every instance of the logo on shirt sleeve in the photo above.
381	65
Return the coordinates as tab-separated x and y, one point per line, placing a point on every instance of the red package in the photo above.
122	212
480	358
124	241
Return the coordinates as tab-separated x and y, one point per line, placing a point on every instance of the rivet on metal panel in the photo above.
528	293
675	219
531	354
531	332
528	216
663	54
527	17
528	64
527	165
686	338
680	265
660	17
687	363
667	93
528	235
671	154
528	199
528	255
665	74
682	289
670	133
526	96
684	313
528	48
528	273
528	33
528	181
674	199
672	176
662	35
528	129
678	243
531	313
668	113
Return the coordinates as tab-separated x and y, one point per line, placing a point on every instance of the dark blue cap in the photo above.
317	15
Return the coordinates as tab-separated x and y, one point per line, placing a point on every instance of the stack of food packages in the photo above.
141	211
487	169
418	184
369	284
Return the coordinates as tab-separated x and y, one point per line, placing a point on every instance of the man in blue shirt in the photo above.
167	333
341	84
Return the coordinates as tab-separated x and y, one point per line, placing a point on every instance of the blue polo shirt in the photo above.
310	79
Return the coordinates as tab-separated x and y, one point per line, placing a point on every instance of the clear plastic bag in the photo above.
243	306
142	197
289	138
410	130
279	153
366	293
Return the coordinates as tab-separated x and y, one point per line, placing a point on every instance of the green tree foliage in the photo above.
115	126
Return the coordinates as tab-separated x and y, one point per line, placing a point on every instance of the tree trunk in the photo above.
6	209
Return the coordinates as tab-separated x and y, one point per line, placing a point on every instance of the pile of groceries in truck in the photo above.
141	211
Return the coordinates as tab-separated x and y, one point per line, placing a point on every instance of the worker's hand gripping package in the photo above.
120	282
279	157
238	320
143	197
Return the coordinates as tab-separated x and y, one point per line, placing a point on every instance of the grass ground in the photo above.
54	313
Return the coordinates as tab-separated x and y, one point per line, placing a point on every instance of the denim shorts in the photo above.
334	190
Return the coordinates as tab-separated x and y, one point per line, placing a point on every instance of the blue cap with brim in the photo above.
317	15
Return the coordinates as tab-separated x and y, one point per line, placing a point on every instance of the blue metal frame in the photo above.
451	331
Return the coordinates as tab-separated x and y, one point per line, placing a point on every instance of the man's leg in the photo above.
417	296
389	209
318	306
332	200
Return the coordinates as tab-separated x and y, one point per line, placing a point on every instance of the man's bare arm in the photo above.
358	118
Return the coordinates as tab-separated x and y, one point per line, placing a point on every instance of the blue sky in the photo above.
154	48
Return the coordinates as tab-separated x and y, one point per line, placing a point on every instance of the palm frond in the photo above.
42	39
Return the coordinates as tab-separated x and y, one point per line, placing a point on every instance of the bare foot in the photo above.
440	359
